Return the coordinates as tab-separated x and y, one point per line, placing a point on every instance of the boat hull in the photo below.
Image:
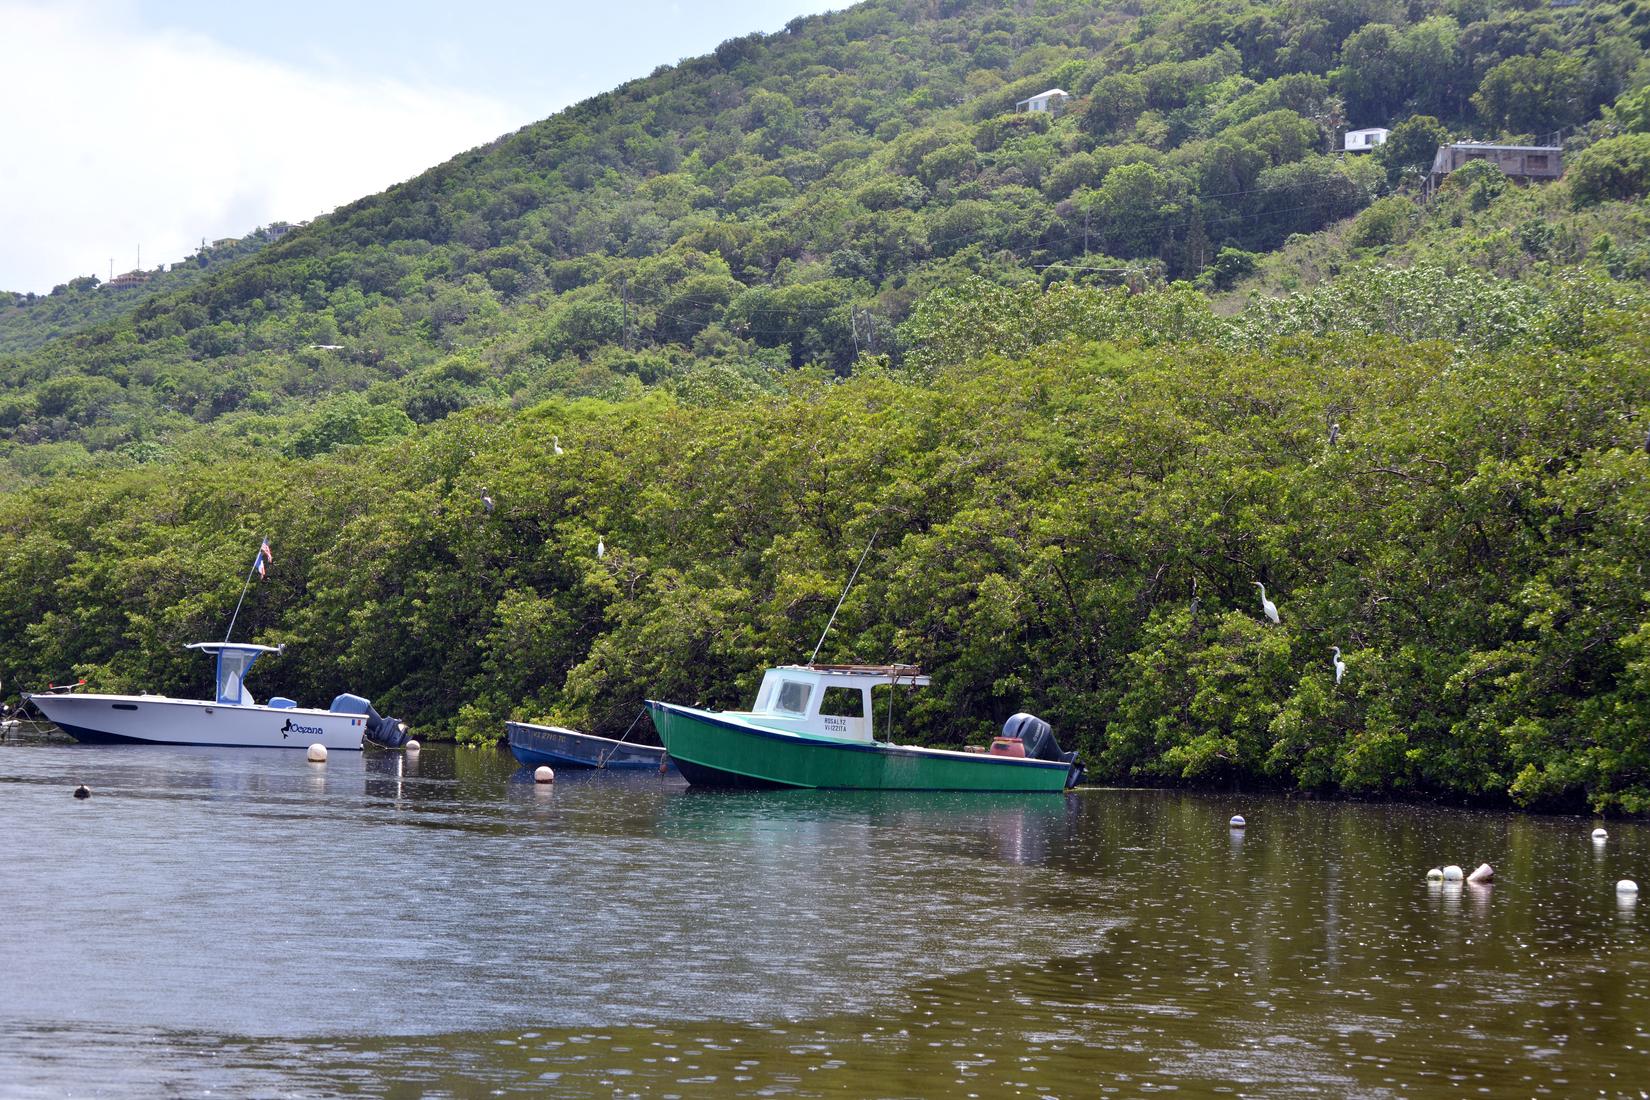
154	719
533	745
719	750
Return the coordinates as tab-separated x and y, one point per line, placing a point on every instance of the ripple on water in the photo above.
243	923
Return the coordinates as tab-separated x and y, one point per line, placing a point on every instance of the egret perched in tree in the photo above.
1267	605
555	443
1334	432
487	502
1340	665
601	549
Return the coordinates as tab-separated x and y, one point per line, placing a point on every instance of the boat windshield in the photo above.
793	697
233	665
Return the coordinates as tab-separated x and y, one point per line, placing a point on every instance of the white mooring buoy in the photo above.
1627	886
1600	834
317	753
1237	822
413	745
1435	875
1481	874
1452	873
544	774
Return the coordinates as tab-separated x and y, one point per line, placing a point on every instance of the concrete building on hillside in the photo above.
1536	162
1362	141
130	278
1053	101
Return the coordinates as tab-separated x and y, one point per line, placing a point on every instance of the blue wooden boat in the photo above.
564	748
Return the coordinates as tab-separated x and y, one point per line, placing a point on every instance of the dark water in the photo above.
240	922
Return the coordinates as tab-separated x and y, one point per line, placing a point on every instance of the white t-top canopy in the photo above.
234	662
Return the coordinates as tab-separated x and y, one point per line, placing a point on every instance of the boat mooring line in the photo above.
601	761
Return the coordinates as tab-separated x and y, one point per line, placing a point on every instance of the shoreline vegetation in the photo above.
1090	378
1077	530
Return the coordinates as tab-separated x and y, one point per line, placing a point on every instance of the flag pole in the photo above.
257	557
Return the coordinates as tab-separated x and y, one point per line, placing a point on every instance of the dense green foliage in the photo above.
1076	530
28	321
825	285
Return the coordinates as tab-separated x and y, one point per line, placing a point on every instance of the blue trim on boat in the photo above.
98	737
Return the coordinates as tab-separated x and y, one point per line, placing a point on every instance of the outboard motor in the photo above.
1039	742
389	732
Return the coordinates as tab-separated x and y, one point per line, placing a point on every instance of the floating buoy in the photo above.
1627	886
1481	874
1599	834
413	745
1435	875
543	774
83	791
1452	873
1237	822
317	753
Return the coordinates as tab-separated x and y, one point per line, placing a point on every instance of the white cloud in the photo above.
114	137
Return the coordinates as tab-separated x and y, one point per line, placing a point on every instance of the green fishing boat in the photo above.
814	726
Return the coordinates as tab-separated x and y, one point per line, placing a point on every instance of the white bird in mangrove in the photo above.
1340	665
486	502
601	549
555	443
1267	605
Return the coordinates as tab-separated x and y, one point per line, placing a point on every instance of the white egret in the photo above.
601	549
1340	665
486	502
1267	605
555	444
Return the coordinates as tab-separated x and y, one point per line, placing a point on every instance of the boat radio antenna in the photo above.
844	596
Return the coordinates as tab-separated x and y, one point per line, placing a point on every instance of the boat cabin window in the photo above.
793	697
843	701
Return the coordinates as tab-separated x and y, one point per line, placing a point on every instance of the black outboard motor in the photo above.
389	732
1039	742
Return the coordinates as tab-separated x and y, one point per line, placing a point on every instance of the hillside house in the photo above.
1052	101
1363	141
130	278
1537	162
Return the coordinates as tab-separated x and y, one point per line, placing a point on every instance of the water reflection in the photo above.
252	924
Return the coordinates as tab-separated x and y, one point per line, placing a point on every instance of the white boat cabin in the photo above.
827	700
234	662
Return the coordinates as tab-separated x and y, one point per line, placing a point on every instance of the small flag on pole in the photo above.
264	559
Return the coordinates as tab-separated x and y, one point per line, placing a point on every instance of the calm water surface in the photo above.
241	922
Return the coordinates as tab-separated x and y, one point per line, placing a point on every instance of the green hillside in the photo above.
28	321
1087	379
788	199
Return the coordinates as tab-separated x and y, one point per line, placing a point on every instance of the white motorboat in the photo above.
233	718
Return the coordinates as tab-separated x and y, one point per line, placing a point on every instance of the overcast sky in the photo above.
142	123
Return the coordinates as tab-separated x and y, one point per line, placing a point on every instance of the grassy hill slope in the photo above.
789	198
